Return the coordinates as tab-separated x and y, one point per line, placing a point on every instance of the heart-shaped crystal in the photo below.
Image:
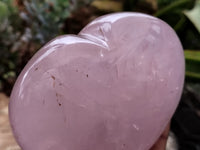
114	86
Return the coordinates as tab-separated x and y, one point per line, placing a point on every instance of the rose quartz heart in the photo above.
114	86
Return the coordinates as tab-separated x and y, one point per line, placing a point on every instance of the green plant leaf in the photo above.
194	15
3	11
192	59
171	7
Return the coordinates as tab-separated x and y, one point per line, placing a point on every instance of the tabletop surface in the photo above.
7	141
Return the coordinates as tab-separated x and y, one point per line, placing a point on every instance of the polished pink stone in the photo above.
114	86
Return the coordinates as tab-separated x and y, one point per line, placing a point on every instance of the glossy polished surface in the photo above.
115	86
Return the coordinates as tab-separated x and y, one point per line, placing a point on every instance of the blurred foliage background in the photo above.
26	25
